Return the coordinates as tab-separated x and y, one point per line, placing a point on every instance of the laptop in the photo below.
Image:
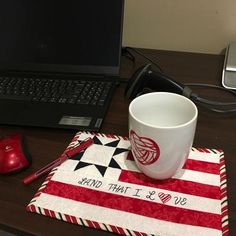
59	61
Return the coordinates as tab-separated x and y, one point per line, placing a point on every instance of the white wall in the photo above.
205	26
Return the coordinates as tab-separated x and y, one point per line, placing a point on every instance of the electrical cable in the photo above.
216	110
209	104
217	107
214	106
215	103
210	86
143	55
128	54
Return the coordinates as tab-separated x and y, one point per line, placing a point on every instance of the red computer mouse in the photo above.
14	156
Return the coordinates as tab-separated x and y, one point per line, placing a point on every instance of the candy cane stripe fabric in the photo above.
102	188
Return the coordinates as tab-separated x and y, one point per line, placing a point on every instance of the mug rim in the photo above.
169	94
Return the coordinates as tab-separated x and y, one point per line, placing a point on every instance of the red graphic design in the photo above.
145	149
164	197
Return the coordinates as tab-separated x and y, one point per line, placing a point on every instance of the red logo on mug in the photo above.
145	149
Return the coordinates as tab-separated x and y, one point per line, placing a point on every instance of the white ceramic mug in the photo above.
161	131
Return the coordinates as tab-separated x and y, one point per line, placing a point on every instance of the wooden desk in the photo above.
213	131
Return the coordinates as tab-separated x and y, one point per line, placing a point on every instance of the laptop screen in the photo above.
79	36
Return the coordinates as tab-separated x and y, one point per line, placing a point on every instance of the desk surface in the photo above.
213	131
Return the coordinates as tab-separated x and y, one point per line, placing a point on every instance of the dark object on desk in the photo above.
14	156
146	80
59	69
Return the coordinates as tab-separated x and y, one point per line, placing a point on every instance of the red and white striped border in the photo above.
84	222
223	187
118	230
224	201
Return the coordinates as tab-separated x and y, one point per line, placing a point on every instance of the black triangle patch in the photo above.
113	144
119	150
97	141
114	164
81	165
78	156
101	169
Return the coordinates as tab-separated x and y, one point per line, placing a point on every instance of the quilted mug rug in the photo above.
103	189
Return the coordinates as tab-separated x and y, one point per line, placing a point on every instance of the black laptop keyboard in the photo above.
54	90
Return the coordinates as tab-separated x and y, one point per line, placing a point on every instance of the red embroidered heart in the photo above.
145	149
164	197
